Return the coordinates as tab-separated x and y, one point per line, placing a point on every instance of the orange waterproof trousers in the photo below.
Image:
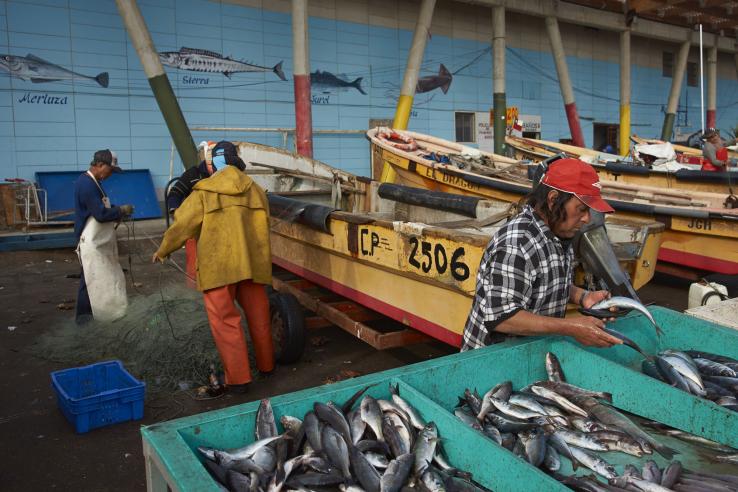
225	324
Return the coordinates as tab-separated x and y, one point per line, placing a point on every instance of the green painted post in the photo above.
668	127
500	122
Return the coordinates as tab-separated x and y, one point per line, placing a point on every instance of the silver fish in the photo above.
671	474
640	484
685	365
396	434
727	458
553	368
336	449
198	60
425	447
502	391
534	443
372	415
366	473
611	416
377	460
265	423
38	70
312	431
333	416
627	303
560	400
472	400
396	473
527	401
581	440
673	377
651	472
514	410
712	368
290	424
468	419
568	390
593	462
357	425
552	461
240	453
415	419
432	481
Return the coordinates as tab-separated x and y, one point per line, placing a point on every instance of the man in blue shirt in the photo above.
91	202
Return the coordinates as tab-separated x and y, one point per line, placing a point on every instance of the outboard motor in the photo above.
594	250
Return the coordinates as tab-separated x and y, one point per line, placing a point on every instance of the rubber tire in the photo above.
288	327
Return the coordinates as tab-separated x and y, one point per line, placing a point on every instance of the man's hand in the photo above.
158	258
589	331
593	297
126	209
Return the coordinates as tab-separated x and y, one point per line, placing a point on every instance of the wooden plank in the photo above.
375	338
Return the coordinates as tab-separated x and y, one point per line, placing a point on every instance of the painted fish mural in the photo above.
38	70
442	79
198	60
327	82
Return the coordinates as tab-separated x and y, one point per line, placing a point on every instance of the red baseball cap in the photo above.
579	178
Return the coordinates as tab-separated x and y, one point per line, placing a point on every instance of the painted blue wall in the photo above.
57	125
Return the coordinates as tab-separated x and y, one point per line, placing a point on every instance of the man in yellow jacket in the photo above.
228	215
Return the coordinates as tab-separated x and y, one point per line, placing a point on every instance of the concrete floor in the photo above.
40	450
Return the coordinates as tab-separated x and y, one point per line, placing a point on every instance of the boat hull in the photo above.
709	244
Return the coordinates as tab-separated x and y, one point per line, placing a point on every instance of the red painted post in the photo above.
711	120
572	116
303	116
301	73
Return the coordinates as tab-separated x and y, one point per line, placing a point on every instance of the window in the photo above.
693	76
465	127
667	64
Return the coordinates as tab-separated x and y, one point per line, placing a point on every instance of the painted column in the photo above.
624	93
676	89
710	115
410	79
498	76
570	105
735	55
159	82
301	70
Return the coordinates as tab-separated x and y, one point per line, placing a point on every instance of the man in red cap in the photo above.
525	278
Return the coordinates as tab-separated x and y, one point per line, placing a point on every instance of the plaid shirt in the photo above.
525	266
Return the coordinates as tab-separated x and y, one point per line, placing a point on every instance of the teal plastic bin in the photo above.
434	386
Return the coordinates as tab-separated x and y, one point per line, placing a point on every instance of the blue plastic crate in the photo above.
98	395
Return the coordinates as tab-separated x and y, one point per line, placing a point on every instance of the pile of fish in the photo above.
379	446
651	478
700	373
548	419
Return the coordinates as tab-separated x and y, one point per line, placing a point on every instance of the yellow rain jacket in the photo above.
228	214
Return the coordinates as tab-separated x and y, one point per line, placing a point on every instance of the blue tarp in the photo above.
133	186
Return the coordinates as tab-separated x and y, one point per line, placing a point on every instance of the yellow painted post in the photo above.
410	79
624	140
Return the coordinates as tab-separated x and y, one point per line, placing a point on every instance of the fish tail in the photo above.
278	70
103	79
607	396
665	451
357	83
659	331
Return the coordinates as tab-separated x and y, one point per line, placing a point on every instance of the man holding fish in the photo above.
525	278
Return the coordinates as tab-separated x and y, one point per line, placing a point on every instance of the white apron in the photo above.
98	253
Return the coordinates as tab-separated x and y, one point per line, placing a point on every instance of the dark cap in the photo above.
225	152
711	132
106	157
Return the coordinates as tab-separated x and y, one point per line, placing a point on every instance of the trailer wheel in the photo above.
288	327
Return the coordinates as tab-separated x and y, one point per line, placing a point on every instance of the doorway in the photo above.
605	134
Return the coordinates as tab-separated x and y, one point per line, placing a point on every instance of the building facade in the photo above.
71	82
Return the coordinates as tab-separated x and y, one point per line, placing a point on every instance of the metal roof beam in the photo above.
571	13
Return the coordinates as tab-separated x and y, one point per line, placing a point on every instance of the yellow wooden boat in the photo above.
409	254
612	167
700	233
